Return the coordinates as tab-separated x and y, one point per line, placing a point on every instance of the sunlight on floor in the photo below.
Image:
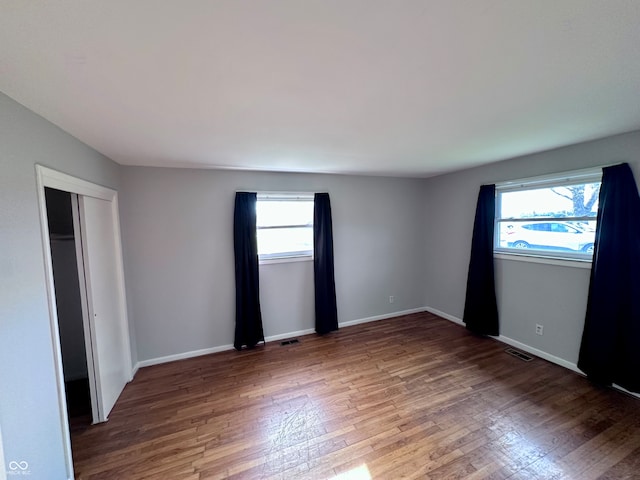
522	447
358	473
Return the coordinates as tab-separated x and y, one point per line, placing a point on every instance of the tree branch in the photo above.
562	194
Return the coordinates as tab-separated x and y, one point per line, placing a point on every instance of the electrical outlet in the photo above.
539	329
391	298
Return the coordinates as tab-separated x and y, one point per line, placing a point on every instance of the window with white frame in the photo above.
284	225
548	217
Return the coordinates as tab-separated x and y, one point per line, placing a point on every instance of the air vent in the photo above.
519	354
289	342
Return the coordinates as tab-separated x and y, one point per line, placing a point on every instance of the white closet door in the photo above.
105	301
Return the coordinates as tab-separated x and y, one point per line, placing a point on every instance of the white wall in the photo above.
178	244
528	293
28	401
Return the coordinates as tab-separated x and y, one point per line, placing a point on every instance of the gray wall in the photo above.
178	244
528	293
407	238
28	404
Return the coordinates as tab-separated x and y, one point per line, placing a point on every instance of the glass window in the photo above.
550	217
284	226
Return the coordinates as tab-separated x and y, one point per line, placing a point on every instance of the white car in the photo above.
549	236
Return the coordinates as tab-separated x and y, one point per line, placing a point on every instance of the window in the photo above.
549	217
285	226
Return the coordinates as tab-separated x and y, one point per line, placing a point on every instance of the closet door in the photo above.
105	301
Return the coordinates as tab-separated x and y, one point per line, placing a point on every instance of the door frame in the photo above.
47	177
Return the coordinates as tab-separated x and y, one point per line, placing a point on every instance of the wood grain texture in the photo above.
409	397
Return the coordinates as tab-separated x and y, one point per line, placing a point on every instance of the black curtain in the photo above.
245	244
480	306
324	279
610	348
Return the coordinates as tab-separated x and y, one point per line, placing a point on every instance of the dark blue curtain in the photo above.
480	306
245	243
324	279
610	348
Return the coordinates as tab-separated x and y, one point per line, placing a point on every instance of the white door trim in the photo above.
47	177
55	179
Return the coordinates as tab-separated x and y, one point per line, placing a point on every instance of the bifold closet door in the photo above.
105	301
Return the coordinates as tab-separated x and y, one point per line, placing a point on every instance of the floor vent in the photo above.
519	354
289	342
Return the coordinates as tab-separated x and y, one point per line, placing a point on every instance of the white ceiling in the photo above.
404	87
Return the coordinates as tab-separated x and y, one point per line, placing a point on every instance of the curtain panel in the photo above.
248	331
480	307
323	272
610	347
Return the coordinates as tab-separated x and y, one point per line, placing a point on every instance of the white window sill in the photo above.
547	260
301	258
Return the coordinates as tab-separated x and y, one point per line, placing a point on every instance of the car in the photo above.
551	235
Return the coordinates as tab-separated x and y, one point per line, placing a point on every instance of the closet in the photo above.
64	260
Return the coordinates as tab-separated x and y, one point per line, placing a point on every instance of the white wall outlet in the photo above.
539	329
391	299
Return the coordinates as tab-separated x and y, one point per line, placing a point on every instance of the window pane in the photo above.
570	201
272	213
561	238
524	219
285	241
284	227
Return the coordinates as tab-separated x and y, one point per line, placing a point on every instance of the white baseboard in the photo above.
506	340
539	353
271	338
380	317
182	356
281	336
444	315
553	359
532	350
514	343
622	389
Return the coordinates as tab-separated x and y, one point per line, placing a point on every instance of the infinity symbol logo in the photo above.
13	465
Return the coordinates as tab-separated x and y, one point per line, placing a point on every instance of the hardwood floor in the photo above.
414	397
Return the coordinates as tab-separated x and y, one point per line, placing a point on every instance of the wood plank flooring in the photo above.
410	397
